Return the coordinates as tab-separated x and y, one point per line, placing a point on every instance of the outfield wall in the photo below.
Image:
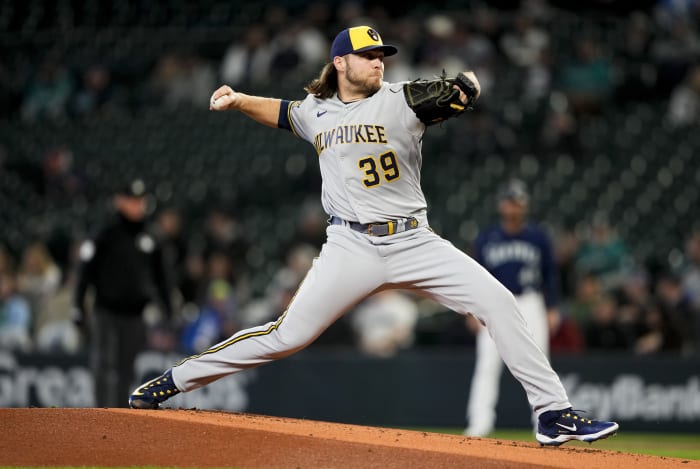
427	388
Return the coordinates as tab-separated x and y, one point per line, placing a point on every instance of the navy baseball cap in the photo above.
359	39
515	190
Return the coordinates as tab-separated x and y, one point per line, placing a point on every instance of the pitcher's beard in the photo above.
368	86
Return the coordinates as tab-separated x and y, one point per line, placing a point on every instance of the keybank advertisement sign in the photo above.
426	388
630	397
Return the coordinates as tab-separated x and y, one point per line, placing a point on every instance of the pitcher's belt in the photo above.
379	229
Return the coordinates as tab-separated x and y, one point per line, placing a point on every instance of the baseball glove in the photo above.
436	100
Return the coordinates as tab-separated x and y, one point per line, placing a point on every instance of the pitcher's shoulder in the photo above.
392	87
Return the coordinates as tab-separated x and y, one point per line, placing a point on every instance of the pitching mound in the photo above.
121	437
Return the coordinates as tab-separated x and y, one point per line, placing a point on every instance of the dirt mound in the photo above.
121	437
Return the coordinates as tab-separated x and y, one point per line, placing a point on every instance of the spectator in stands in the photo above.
219	267
475	49
55	331
223	234
384	323
660	333
587	80
679	310
38	276
537	84
284	283
311	224
62	180
684	105
691	269
560	128
566	245
15	315
248	62
181	78
48	93
603	331
193	283
435	51
7	263
300	45
168	228
96	93
198	75
484	134
634	299
525	42
566	336
602	253
349	13
637	71
405	33
217	319
674	51
298	261
271	305
586	295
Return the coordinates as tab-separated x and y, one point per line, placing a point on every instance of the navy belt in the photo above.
379	229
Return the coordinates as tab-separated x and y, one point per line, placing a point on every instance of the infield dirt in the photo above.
191	438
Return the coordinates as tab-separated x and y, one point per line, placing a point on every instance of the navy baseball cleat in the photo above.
559	426
150	394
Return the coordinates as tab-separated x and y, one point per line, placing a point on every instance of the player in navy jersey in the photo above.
519	254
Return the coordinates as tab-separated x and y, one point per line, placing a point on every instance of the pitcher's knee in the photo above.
497	300
290	342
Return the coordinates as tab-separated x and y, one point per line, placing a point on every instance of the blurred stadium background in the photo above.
596	106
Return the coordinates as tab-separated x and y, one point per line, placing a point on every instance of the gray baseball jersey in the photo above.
369	153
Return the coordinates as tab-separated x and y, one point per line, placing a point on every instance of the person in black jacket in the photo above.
125	266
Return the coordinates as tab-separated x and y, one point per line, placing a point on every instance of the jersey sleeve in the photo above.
293	117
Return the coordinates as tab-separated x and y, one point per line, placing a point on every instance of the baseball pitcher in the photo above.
368	135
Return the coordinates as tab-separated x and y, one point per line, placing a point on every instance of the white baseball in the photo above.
220	103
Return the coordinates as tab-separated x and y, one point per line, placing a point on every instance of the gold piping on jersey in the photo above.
289	116
235	340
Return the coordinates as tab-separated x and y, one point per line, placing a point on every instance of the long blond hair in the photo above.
326	84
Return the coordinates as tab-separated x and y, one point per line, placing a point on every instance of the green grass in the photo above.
674	445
